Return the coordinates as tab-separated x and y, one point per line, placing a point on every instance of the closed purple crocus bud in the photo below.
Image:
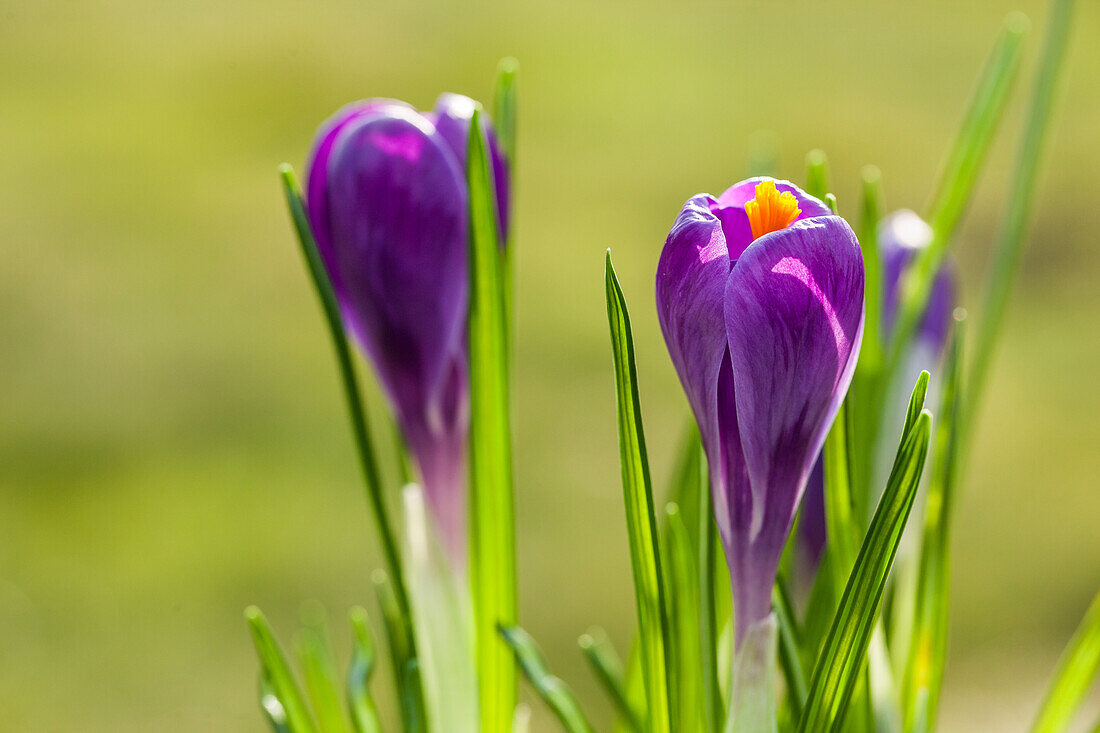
901	236
387	202
760	298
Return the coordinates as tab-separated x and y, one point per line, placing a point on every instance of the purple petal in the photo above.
691	281
452	115
794	320
396	209
317	166
812	523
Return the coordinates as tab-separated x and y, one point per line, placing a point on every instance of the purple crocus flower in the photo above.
387	203
760	298
901	235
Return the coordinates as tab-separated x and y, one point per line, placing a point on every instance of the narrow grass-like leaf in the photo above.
837	670
843	527
865	395
314	648
840	522
707	542
817	173
1009	248
356	410
820	609
1076	670
555	693
682	593
790	642
634	687
272	708
927	644
870	350
406	669
364	713
277	673
504	109
653	626
960	173
402	459
608	668
504	122
916	402
686	490
492	522
983	115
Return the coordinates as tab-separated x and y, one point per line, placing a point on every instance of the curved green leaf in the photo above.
279	680
364	714
555	693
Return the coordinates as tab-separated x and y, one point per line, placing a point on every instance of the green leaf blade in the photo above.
960	173
608	669
1012	237
276	672
319	670
492	556
838	667
406	668
927	645
356	410
1076	670
364	713
553	691
653	624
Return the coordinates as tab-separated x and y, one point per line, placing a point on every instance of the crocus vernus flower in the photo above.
760	298
901	235
387	202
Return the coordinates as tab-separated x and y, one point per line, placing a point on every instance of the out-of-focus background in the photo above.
173	445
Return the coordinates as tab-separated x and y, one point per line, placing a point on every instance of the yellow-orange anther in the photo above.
771	210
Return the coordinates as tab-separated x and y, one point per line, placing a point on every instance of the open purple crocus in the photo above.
760	298
387	202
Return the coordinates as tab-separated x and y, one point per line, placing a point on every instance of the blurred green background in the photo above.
173	445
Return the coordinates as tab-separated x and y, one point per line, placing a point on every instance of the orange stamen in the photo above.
771	210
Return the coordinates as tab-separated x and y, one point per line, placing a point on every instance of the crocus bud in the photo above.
760	298
901	236
387	202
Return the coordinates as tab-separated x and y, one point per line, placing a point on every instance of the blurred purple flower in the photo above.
760	298
387	202
901	235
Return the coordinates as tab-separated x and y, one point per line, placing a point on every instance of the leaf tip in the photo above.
1017	23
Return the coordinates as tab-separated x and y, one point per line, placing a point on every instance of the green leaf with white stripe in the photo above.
840	663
